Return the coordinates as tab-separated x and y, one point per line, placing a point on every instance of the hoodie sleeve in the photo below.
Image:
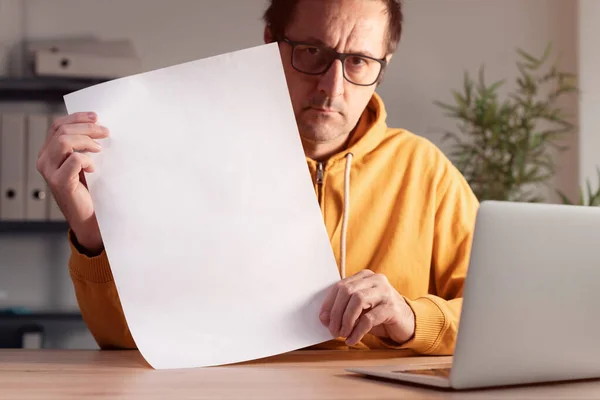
98	299
437	314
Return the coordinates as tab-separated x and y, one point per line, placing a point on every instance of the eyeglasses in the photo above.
313	59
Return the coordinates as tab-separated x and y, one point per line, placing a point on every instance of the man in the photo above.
400	217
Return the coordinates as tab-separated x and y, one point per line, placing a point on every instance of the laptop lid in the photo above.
531	308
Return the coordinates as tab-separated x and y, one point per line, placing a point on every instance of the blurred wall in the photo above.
589	70
442	38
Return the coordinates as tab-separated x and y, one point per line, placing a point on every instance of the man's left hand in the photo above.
367	303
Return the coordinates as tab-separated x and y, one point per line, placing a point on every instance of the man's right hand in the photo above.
62	161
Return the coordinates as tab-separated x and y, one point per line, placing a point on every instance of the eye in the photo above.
312	51
357	61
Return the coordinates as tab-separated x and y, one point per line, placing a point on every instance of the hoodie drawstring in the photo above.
346	214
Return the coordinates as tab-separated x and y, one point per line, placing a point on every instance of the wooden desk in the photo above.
49	375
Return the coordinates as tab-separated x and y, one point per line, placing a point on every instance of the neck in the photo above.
321	151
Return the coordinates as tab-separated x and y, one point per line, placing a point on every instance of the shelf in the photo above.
41	89
33	226
41	316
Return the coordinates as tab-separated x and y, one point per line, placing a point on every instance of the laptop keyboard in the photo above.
441	372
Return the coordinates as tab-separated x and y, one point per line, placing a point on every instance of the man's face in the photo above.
327	106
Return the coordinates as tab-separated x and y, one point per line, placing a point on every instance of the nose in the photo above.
332	82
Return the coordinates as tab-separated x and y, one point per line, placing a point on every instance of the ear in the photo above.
268	35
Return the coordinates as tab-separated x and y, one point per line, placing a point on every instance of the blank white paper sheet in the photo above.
207	210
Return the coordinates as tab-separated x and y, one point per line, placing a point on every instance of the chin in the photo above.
321	127
321	133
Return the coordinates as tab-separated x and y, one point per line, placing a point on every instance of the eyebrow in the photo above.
319	42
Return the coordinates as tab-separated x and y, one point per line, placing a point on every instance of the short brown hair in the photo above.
280	13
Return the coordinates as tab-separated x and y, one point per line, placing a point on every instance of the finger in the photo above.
359	302
346	290
365	273
75	118
92	130
374	317
337	311
70	169
325	313
63	146
82	177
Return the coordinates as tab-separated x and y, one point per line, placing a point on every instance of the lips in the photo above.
323	110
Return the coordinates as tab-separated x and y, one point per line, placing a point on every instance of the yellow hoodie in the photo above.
391	202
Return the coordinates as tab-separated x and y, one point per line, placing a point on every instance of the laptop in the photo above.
531	301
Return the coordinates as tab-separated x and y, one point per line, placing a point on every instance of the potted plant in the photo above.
504	145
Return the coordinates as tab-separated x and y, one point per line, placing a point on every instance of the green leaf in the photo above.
451	135
546	54
530	85
482	77
495	86
535	141
489	116
468	87
445	106
564	198
533	62
462	102
589	189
